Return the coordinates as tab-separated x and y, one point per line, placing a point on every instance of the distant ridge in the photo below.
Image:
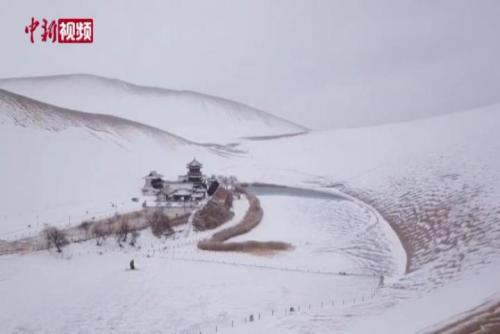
26	112
195	116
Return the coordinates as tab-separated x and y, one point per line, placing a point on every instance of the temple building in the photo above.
191	187
153	183
194	174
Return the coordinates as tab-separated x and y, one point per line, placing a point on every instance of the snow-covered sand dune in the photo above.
195	116
26	112
61	166
435	180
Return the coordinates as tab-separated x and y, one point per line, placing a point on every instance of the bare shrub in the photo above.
211	216
85	226
216	212
136	214
228	202
122	231
100	232
55	237
115	219
160	224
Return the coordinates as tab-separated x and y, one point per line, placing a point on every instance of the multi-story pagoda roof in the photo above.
194	163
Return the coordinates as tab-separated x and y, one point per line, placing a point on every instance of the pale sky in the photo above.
324	64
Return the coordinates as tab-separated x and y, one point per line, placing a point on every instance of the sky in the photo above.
324	64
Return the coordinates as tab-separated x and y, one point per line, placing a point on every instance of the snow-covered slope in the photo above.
435	180
195	116
25	112
440	173
57	163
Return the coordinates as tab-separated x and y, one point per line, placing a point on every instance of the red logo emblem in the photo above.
75	30
63	30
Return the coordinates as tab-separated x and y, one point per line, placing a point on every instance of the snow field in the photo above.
234	285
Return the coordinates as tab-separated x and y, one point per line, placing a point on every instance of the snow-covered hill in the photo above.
25	112
58	163
440	174
195	116
435	180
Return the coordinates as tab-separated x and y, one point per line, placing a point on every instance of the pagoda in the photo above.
194	172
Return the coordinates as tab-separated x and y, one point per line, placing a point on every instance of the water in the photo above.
261	189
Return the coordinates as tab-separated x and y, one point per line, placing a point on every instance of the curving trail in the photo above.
252	218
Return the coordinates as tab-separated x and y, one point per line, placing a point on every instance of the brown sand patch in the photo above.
484	319
250	246
216	212
252	218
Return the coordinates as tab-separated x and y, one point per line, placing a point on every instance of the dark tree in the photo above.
213	187
122	231
85	226
56	238
100	232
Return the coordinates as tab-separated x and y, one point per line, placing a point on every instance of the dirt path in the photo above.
252	218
